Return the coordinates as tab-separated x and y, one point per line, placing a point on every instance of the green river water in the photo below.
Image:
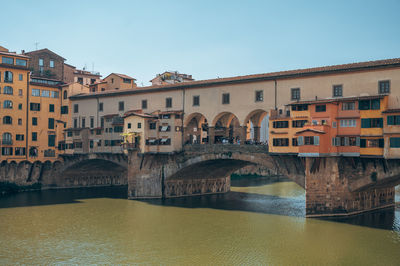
256	223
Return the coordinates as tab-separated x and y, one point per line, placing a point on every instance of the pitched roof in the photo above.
345	68
45	50
14	54
310	130
121	76
138	113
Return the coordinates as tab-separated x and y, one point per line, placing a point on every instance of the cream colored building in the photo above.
222	109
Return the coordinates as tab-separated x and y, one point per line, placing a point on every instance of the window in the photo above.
259	96
168	102
51	63
20	151
121	106
279	142
19	121
295	94
64	109
34	121
76	108
7	104
384	86
164	128
45	93
371	122
35	106
65	96
69	134
320	108
102	122
51	123
225	98
300	107
100	107
51	108
294	142
348	123
348	106
7	120
83	122
41	62
129	125
196	100
7	60
394	142
36	92
20	62
54	94
20	77
75	123
393	120
126	81
298	123
139	125
8	76
308	140
19	137
337	90
8	90
7	139
280	124
91	122
80	80
52	140
118	129
6	151
34	136
165	141
152	125
373	104
20	92
372	143
144	104
92	81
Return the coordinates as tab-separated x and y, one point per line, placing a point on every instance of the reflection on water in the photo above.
259	224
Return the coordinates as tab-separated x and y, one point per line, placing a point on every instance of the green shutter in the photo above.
381	143
365	123
390	120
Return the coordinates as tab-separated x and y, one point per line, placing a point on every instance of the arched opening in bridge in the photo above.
94	172
196	129
256	125
226	129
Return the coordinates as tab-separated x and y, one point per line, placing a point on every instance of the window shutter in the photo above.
380	123
316	140
381	143
300	141
346	141
358	141
365	123
390	120
363	143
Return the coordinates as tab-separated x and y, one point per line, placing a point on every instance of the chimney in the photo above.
22	51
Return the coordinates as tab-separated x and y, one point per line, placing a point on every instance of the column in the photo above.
211	135
256	134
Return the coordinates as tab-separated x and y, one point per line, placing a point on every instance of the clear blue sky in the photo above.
204	38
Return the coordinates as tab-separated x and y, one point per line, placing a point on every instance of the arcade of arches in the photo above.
223	128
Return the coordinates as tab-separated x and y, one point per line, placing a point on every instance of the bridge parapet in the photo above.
224	148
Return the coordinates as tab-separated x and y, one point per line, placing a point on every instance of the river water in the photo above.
256	223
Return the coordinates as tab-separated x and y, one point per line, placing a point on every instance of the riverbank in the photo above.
11	188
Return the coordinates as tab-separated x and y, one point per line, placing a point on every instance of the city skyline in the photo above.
229	39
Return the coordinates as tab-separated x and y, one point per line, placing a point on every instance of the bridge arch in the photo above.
196	129
226	128
252	123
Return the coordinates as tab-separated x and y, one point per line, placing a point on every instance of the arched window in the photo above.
65	94
7	120
7	104
7	138
8	90
8	76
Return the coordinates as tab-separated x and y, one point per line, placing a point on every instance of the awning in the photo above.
164	140
164	128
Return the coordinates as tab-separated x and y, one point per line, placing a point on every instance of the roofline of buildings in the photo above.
346	68
14	54
339	99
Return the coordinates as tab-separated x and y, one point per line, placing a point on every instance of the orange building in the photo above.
14	78
391	132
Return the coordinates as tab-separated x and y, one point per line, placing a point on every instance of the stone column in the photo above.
211	135
242	134
256	134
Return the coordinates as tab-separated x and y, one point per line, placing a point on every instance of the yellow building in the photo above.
44	119
14	77
371	136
